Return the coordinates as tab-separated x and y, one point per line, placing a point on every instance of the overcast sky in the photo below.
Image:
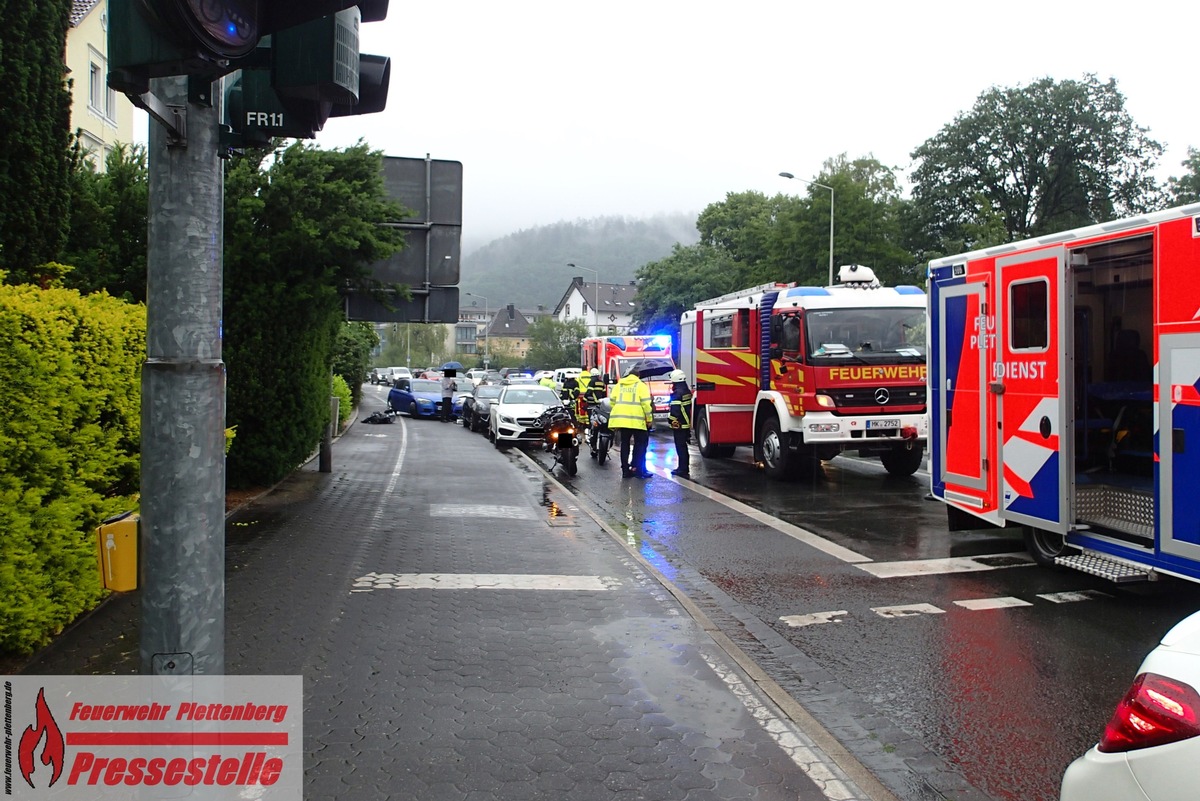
568	110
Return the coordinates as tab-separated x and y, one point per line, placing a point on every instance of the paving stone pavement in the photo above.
465	632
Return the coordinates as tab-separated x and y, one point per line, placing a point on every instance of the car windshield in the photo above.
421	385
487	391
542	395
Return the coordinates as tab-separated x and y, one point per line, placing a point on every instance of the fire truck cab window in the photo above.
719	331
789	334
1029	315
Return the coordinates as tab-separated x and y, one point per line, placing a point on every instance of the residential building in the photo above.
104	118
603	308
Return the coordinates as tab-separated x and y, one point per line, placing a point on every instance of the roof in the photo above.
80	9
611	297
508	322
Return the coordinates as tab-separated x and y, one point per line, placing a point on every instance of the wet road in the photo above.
1004	670
953	651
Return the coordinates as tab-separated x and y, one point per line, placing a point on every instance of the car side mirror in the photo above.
775	352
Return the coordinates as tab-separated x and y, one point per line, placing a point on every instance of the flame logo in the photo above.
53	749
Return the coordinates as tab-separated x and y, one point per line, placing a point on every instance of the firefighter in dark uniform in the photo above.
681	420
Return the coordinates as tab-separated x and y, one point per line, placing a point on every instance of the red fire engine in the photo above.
651	355
803	372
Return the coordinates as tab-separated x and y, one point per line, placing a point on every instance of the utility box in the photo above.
116	552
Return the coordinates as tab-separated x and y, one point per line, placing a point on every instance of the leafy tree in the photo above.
35	142
669	287
352	355
415	345
106	243
554	343
296	232
1044	157
744	224
1186	188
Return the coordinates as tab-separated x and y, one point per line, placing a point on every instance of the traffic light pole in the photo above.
183	397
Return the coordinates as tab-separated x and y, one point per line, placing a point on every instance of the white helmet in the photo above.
676	376
594	371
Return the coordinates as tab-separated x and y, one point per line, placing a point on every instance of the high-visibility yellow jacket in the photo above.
632	406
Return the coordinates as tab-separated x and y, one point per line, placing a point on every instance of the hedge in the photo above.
70	398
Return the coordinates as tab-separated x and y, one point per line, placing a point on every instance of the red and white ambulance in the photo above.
1065	377
804	373
651	355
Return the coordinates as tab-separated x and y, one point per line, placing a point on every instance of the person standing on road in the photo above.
632	415
449	385
681	420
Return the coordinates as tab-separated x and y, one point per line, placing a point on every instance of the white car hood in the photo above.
519	409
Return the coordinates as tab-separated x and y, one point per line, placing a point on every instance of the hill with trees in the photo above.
528	268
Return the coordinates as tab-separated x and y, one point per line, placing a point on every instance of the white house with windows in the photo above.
104	118
603	308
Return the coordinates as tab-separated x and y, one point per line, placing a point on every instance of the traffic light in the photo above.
315	72
154	38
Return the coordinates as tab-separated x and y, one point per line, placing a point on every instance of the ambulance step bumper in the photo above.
1104	566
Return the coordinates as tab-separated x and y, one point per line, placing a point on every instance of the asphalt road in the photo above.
952	652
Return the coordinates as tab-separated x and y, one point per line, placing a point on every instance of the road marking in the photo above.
977	604
954	564
795	532
815	619
481	581
1072	597
907	610
481	510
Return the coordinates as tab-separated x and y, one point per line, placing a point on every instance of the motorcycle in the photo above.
561	437
599	437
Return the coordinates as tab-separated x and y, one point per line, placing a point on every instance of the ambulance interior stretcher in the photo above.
1112	390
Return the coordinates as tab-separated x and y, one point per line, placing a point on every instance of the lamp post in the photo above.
830	188
487	325
596	310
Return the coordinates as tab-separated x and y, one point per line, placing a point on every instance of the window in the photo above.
718	331
567	310
101	99
1029	315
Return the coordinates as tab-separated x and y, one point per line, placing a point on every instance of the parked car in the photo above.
513	416
1150	748
415	397
476	408
375	376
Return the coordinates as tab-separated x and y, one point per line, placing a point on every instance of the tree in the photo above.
1186	188
1044	157
352	355
669	287
106	242
554	343
296	232
35	142
415	344
744	224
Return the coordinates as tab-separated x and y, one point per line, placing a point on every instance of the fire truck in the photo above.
804	373
1066	394
650	355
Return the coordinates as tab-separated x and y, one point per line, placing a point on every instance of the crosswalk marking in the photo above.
816	618
907	610
481	510
976	604
481	581
1073	597
970	604
954	564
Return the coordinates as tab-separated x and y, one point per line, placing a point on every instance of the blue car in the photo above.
416	397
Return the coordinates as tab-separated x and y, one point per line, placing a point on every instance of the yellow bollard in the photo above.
116	552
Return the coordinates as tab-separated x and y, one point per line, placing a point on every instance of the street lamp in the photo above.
830	188
597	285
487	325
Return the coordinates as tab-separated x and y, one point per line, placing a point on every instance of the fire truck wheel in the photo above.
902	461
774	449
1044	546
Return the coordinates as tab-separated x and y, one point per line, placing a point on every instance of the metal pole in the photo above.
183	398
830	188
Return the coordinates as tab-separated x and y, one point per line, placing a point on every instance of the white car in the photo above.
1151	746
512	416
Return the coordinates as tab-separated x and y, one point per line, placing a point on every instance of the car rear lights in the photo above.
1155	711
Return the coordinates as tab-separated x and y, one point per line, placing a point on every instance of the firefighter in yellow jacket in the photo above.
633	416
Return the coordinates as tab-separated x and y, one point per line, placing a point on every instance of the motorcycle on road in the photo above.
561	437
599	437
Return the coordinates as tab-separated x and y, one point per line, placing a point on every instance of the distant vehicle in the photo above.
564	373
476	374
1150	747
513	416
416	397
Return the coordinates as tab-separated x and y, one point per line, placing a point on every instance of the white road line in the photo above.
977	604
831	780
395	478
1072	597
815	619
795	532
481	581
481	510
929	567
907	610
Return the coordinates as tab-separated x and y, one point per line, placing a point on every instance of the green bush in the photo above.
345	402
70	403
